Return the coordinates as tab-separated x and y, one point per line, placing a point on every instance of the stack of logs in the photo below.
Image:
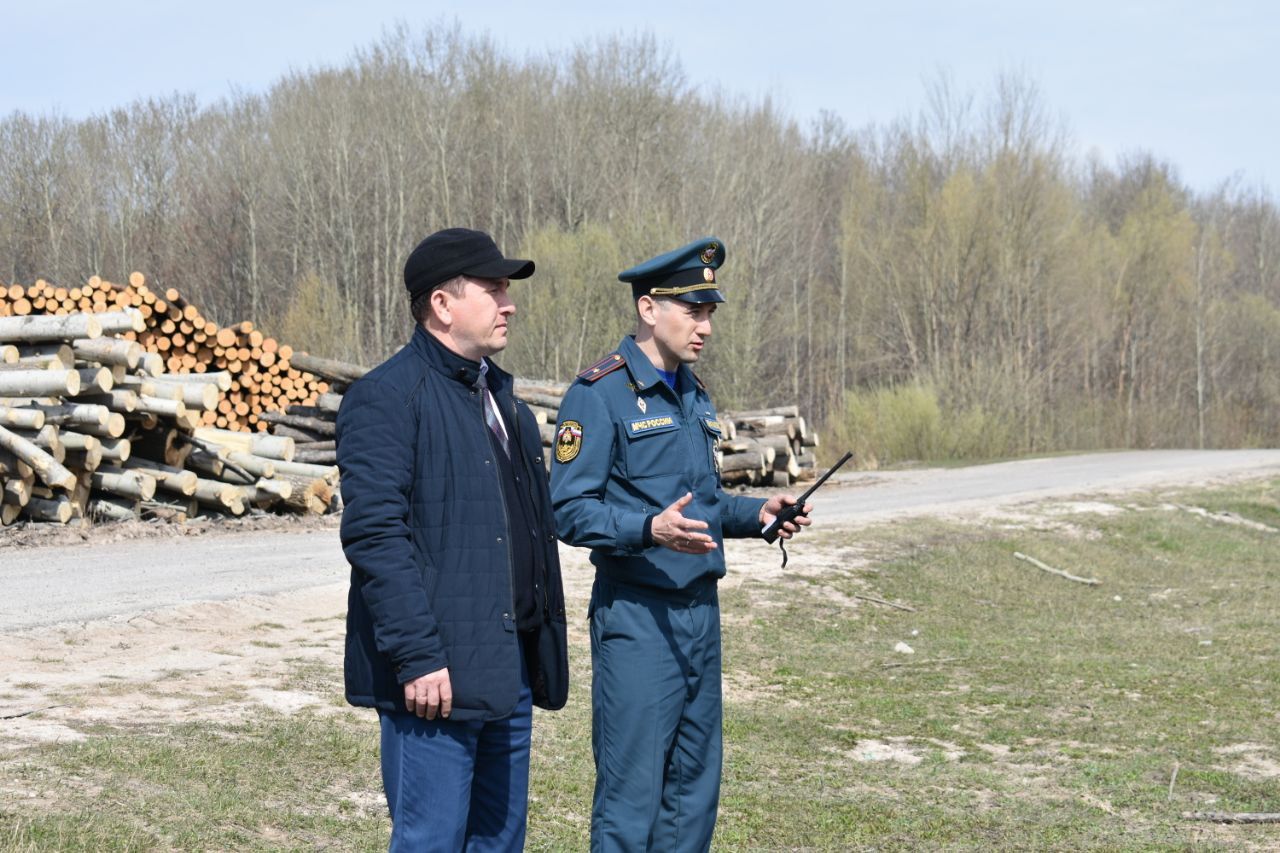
312	425
264	376
767	447
93	427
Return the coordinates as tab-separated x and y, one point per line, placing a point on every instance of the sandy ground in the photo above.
209	661
214	660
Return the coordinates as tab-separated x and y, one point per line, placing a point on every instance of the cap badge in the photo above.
709	254
708	273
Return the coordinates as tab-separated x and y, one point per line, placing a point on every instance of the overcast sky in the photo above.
1195	83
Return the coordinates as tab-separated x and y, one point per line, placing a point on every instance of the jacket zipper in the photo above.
502	498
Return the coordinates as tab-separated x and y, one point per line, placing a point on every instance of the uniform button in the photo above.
486	461
551	537
499	538
506	615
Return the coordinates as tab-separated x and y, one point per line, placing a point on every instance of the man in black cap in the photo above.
455	618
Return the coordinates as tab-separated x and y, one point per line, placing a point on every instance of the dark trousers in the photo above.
656	713
458	785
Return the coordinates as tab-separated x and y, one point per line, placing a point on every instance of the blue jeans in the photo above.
458	785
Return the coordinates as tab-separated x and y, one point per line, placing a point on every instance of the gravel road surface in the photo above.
93	580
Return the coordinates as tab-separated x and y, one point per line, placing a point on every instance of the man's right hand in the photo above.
430	694
671	529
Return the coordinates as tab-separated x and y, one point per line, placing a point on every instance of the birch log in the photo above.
21	418
45	466
43	327
169	479
108	351
39	383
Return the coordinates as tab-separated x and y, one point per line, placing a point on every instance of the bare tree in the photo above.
957	265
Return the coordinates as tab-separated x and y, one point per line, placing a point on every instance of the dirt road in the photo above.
945	491
135	627
113	576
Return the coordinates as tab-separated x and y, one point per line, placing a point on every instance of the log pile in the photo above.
205	383
766	447
264	375
312	426
93	427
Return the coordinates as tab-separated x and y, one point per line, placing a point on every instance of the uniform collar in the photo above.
644	375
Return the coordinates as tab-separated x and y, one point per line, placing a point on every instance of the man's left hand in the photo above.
774	505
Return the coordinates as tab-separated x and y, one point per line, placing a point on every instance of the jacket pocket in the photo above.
654	448
712	431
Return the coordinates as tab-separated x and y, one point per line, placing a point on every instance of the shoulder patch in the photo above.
568	441
608	364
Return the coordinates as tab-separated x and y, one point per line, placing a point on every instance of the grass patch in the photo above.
1055	713
311	676
339	617
280	783
1035	713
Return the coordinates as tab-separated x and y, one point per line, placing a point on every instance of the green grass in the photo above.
272	784
1035	713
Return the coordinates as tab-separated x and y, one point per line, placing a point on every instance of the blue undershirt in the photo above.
668	377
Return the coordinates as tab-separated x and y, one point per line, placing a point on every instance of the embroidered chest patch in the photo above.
568	441
647	426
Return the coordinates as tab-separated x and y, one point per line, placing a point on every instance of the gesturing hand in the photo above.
430	694
671	529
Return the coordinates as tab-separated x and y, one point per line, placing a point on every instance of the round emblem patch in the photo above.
568	441
709	253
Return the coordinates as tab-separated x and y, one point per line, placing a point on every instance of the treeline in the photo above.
957	284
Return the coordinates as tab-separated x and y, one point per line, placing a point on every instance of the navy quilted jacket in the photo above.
426	535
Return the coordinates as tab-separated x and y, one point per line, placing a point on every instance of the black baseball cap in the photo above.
458	251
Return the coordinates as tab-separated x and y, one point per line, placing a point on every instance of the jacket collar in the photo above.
447	362
643	374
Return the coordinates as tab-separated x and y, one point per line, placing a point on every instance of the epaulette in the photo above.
702	385
608	364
